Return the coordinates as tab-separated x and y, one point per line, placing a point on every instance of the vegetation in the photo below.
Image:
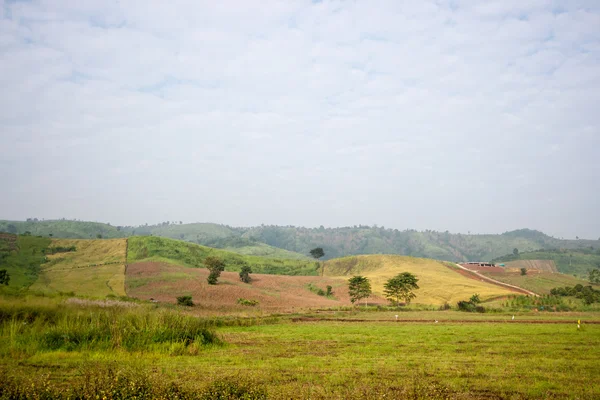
588	294
21	257
246	302
215	267
359	360
292	242
150	248
317	253
96	269
435	278
359	287
4	277
185	301
401	287
245	274
594	276
472	305
574	261
523	271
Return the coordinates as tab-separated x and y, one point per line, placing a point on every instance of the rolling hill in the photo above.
438	283
568	261
296	242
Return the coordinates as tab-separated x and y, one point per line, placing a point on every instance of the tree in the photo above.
317	252
400	287
475	299
4	277
185	301
215	265
523	271
594	276
516	251
99	236
359	287
245	274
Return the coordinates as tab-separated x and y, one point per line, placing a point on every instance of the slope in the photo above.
152	248
66	229
438	283
85	267
568	261
22	256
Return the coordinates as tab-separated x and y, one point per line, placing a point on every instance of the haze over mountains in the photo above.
295	242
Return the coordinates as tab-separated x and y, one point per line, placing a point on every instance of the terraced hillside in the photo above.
568	261
438	283
539	281
85	267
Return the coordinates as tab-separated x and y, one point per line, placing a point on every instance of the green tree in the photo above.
215	266
185	301
594	276
245	274
475	299
359	287
516	251
4	277
317	252
401	287
523	271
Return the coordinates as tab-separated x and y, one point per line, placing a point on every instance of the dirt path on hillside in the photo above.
460	321
495	282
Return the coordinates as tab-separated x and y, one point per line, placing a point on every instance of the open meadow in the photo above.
57	348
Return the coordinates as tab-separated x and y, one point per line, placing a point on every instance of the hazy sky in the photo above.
479	116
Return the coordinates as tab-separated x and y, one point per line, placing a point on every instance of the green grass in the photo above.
22	256
340	360
62	229
152	248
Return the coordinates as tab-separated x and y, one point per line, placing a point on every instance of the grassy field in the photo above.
151	248
537	281
439	284
21	256
95	268
55	348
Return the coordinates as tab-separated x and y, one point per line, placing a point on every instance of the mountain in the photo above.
296	242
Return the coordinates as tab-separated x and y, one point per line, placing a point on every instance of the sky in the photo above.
467	116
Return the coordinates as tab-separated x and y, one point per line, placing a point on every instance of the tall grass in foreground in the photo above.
101	381
31	326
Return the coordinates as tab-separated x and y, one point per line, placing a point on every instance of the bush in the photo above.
445	306
185	301
246	302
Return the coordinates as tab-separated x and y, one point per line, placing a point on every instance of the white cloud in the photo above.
183	106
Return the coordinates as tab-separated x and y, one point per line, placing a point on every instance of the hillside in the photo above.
296	242
538	281
84	266
22	256
152	248
568	261
438	283
64	229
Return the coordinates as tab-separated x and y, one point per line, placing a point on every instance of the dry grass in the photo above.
438	283
164	282
96	268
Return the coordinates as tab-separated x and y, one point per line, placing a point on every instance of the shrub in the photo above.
246	302
185	301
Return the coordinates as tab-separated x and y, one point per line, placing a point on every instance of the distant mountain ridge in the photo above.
296	242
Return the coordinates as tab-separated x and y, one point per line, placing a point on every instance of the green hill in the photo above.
568	261
64	229
153	248
296	242
22	256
